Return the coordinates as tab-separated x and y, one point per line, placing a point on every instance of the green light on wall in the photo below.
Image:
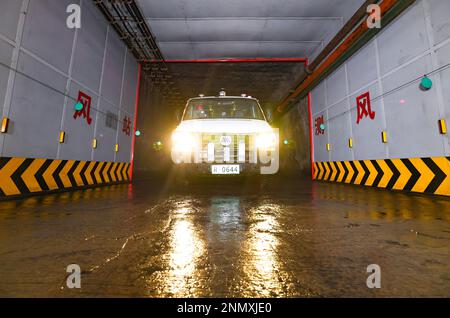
286	142
78	106
426	83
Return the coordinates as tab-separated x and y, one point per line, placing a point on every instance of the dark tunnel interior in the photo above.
238	151
161	99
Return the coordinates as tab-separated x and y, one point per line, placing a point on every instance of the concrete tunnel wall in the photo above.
44	66
156	121
417	43
295	157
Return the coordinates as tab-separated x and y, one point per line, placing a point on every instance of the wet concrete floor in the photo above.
278	238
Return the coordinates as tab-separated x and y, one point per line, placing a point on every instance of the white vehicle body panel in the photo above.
226	125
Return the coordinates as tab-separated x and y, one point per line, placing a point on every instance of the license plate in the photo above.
225	169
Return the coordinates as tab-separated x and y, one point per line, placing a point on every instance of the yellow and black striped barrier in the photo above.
424	175
21	176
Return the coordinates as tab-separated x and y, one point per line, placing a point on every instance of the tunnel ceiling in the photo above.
203	29
215	29
266	81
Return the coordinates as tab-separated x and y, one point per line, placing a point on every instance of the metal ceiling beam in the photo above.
247	18
239	41
126	18
238	60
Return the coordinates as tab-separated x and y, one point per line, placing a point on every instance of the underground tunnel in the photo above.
225	149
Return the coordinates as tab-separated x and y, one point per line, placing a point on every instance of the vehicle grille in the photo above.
219	148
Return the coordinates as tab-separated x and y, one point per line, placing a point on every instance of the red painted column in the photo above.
138	89
311	140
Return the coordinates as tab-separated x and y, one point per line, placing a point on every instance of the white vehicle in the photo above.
224	135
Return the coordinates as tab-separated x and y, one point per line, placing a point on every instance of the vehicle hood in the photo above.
237	126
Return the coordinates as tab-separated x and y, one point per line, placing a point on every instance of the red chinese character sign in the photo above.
364	108
126	128
85	111
319	125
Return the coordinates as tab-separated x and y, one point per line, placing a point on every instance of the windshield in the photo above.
210	108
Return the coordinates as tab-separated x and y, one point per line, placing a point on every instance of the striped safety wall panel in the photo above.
21	176
424	175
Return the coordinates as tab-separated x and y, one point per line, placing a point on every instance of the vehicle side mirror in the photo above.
178	115
269	114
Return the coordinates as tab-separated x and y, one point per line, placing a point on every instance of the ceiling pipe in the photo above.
335	41
390	9
346	29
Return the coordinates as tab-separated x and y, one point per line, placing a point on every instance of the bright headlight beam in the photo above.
182	141
266	140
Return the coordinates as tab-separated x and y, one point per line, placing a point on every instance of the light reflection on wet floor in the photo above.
284	238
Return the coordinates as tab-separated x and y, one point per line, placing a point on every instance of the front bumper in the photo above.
205	169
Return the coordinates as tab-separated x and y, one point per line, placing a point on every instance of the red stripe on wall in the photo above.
138	89
311	140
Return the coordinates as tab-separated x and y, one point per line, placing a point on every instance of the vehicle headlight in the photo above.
266	141
183	141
